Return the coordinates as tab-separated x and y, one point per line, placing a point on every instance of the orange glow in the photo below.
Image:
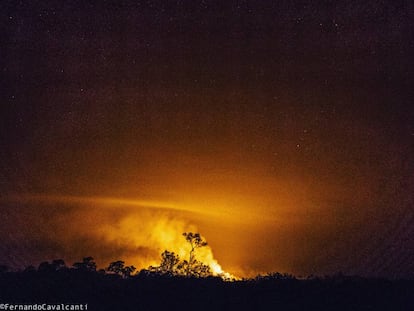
282	133
240	224
159	231
255	224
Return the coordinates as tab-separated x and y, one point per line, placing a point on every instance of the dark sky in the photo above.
282	130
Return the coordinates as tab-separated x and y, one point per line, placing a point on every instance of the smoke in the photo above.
107	229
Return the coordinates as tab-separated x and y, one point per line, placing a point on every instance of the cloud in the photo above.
42	228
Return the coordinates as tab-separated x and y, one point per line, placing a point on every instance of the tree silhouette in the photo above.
118	267
193	267
172	265
127	271
87	264
168	265
55	265
58	264
169	262
45	266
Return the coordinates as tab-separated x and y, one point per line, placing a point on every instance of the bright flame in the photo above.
216	268
158	231
218	271
137	233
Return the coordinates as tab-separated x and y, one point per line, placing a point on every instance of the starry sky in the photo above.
282	130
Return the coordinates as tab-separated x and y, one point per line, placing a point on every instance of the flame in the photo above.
162	232
157	231
142	230
218	271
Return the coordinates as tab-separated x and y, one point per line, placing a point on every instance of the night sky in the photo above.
282	131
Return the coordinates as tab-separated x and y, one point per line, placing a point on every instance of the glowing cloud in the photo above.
139	234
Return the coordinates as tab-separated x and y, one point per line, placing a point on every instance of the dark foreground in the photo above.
143	292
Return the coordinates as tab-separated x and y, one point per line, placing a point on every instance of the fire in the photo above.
205	255
157	232
134	231
218	271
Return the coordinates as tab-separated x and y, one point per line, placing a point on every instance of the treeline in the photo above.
150	290
178	283
170	265
87	265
